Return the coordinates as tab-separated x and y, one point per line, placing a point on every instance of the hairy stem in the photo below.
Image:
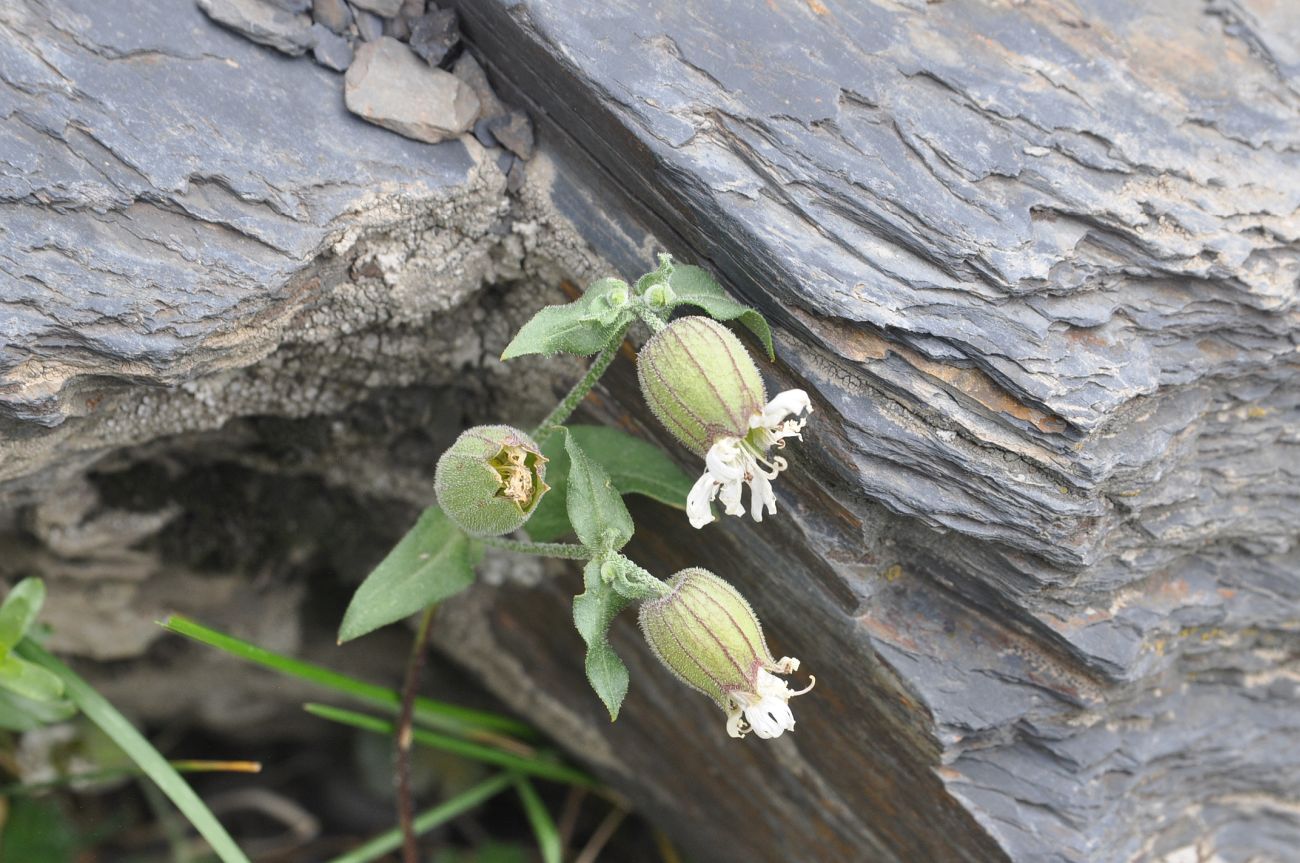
405	805
575	396
567	550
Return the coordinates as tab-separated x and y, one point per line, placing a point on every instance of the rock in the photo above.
398	28
383	8
468	70
334	14
330	50
390	87
295	7
1045	527
434	34
264	24
369	25
515	132
483	134
412	9
516	176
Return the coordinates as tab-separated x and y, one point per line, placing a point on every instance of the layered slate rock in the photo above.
166	186
1038	267
1036	264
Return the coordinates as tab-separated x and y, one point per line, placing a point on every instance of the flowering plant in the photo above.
700	381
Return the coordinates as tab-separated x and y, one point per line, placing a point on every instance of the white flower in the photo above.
765	712
734	461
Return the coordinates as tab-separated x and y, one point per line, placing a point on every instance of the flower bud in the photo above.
490	480
704	631
659	296
700	381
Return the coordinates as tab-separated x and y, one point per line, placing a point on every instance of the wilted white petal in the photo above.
725	460
697	502
761	496
729	494
770	717
788	403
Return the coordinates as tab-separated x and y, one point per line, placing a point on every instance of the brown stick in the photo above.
405	805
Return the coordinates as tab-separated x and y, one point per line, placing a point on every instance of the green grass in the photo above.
429	819
537	764
99	711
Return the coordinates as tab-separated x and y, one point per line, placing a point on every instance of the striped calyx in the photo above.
707	635
490	480
700	381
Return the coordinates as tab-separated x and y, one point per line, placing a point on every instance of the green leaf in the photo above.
391	840
593	611
548	835
22	714
29	681
38	830
594	505
539	764
581	327
99	711
696	287
453	718
635	466
19	610
433	561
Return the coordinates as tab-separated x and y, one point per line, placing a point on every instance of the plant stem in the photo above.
405	806
567	550
570	402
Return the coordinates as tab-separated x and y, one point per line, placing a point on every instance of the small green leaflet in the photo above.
23	714
594	505
433	561
581	327
593	611
696	287
30	681
635	466
19	610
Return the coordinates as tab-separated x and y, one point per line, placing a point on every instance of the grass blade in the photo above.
99	711
534	766
435	714
424	822
548	835
88	777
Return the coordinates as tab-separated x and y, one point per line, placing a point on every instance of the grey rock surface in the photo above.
383	8
262	22
334	14
330	50
434	34
467	69
293	6
514	131
1038	269
389	86
369	25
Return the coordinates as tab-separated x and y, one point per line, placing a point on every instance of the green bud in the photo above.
704	631
617	298
490	480
660	295
700	381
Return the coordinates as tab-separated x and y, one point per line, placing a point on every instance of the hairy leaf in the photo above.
635	466
696	287
432	562
594	505
581	327
593	611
